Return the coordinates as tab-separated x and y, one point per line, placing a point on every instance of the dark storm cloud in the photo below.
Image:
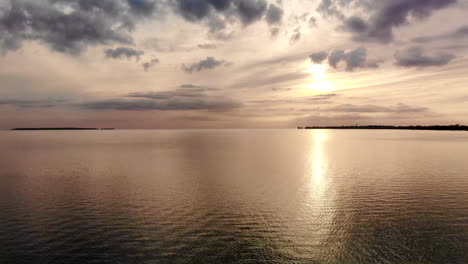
121	52
274	14
64	25
216	13
399	108
415	57
353	59
318	57
149	64
206	64
71	26
185	97
33	103
250	10
459	33
384	16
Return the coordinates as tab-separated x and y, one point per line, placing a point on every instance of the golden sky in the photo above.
232	63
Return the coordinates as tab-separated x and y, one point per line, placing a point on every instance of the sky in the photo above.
232	63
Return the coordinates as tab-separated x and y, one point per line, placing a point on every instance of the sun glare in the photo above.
319	71
320	82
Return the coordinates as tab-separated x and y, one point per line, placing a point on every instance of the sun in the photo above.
319	71
320	82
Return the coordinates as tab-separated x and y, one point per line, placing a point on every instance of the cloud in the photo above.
250	10
399	108
130	104
149	64
296	36
332	8
185	97
322	97
274	32
274	14
318	57
353	59
33	103
183	91
316	99
415	57
217	13
355	24
71	26
459	33
206	64
312	22
256	80
121	52
66	26
384	16
207	46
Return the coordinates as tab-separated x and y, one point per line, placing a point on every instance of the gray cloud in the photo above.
183	91
206	64
71	26
165	45
355	24
399	108
216	13
384	16
274	14
335	57
332	8
353	59
322	97
459	33
121	52
185	97
274	32
130	104
415	57
33	103
65	25
318	57
250	10
296	36
207	46
149	64
312	22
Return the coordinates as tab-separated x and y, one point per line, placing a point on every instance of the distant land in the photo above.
449	127
61	128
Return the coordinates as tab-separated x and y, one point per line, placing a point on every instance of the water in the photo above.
234	196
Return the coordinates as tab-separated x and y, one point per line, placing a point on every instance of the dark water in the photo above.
234	196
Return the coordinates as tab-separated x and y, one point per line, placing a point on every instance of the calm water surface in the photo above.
234	196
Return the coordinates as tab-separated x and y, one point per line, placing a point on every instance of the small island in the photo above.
436	127
60	128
